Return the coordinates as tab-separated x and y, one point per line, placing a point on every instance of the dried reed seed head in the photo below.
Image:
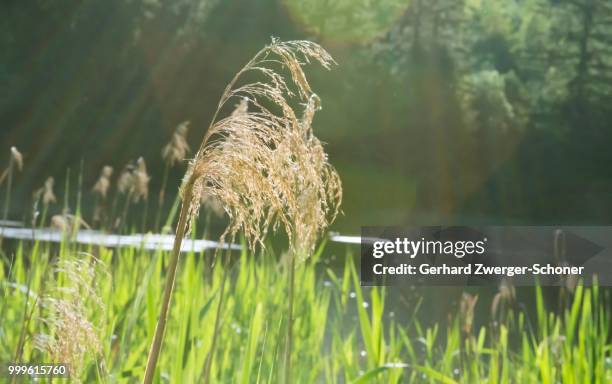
104	181
506	294
97	214
17	158
125	183
68	223
183	128
177	149
107	171
466	311
48	196
141	181
269	170
59	222
73	329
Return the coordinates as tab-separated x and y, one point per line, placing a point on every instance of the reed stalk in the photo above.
162	197
181	229
9	185
16	160
126	208
265	169
145	217
66	207
288	346
174	152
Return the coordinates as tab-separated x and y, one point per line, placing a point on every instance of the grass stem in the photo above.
290	319
162	197
169	286
7	197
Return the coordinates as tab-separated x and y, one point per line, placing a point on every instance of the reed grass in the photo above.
249	161
101	190
15	163
173	153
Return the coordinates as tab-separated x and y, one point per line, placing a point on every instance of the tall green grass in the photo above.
343	333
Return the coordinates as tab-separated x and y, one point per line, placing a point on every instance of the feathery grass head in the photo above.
17	157
72	331
125	183
466	311
267	169
505	296
104	181
141	181
177	149
48	196
68	223
45	193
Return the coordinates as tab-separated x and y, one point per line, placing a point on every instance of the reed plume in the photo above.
466	312
17	157
48	196
72	333
141	188
263	168
177	149
68	223
173	153
503	300
251	163
467	305
125	187
100	190
45	195
103	183
126	180
141	181
15	160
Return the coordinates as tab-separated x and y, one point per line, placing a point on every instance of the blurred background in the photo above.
440	111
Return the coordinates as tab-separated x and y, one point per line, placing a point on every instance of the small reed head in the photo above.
505	296
141	181
177	149
125	183
466	311
68	223
17	158
45	193
103	183
48	196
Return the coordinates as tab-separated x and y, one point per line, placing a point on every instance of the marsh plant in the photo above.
125	187
264	166
100	191
46	196
133	185
15	163
72	329
173	153
141	188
